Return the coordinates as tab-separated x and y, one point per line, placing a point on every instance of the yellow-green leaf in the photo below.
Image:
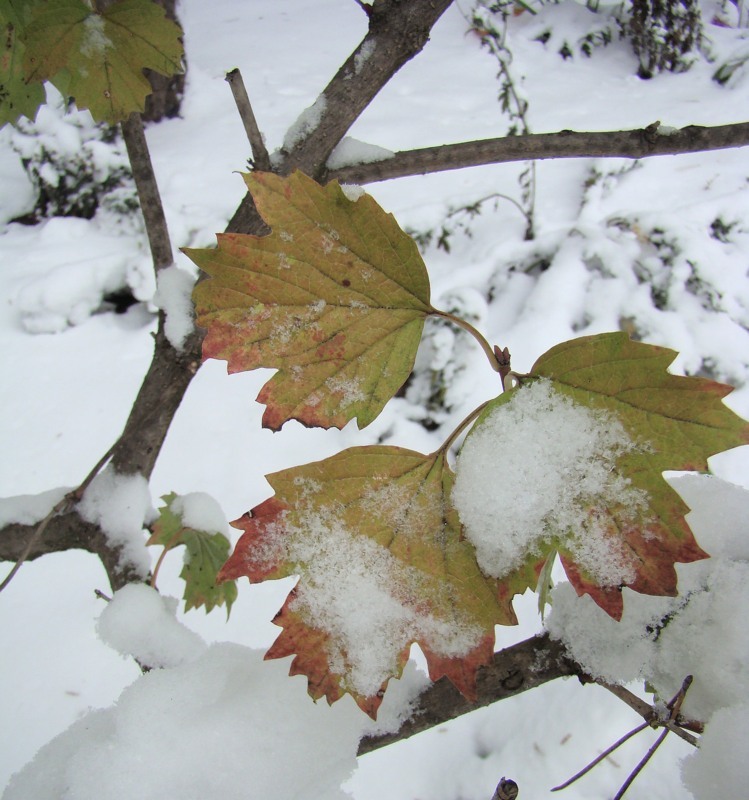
382	564
100	57
577	455
334	298
18	97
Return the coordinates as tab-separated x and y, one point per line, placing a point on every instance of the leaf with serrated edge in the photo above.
334	297
677	423
381	563
102	55
18	97
205	552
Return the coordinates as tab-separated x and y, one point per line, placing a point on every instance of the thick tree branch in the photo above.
640	143
397	32
67	531
514	670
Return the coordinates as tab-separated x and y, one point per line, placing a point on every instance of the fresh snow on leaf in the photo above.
196	521
541	469
335	298
139	622
381	564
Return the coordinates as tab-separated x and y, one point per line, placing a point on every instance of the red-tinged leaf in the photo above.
579	451
381	564
334	297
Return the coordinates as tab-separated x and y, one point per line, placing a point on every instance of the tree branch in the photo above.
514	670
260	156
148	191
397	32
67	531
640	143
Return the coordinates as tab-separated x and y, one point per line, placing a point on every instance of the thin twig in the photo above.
585	770
148	191
643	761
260	157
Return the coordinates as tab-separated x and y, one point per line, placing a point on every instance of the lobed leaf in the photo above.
334	298
18	97
381	564
205	552
98	58
675	423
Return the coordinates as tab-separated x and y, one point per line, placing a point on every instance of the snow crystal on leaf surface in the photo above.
357	591
542	466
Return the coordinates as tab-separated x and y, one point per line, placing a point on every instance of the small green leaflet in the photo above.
205	552
334	298
99	58
18	97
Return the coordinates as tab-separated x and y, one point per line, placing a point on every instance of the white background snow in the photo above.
661	249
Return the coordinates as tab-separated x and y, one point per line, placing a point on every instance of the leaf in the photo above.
17	96
205	552
381	564
99	58
635	527
334	298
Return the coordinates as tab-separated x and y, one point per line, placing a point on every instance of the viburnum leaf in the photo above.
18	97
205	552
334	297
381	563
98	58
575	457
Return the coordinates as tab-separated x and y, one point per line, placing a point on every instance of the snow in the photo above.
121	505
700	632
306	123
139	622
544	462
351	151
225	724
200	512
28	509
173	296
658	247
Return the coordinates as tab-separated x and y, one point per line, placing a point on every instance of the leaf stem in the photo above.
461	323
447	444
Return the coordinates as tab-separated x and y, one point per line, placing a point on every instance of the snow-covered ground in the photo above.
659	248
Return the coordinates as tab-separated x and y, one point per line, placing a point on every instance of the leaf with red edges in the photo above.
577	455
382	564
335	298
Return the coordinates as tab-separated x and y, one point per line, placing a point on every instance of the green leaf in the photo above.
633	525
334	298
99	58
381	564
205	552
18	97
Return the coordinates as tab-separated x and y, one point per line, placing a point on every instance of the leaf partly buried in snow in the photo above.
99	58
334	297
205	552
604	419
382	564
